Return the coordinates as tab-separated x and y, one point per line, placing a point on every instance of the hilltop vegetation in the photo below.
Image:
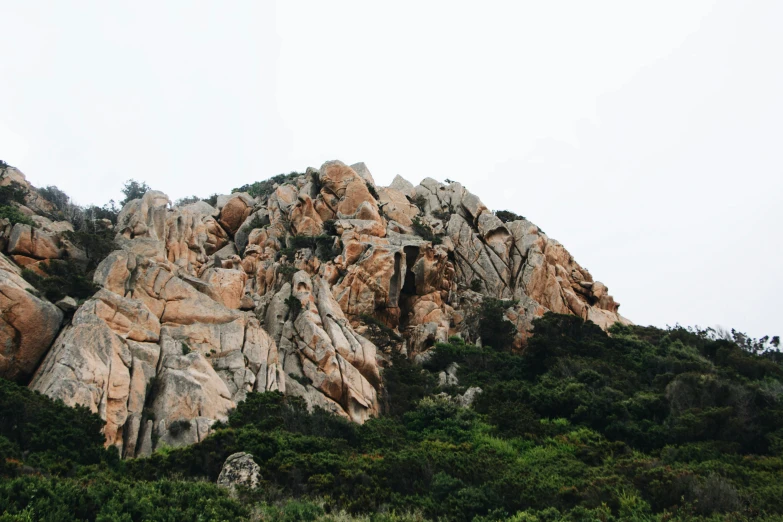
643	424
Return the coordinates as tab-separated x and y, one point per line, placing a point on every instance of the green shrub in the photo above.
495	330
404	385
327	248
304	380
441	214
51	436
324	247
425	232
579	426
178	427
288	252
267	187
373	192
63	278
420	201
381	335
14	215
294	307
55	196
95	238
301	241
329	227
12	193
133	190
187	201
507	216
95	213
256	222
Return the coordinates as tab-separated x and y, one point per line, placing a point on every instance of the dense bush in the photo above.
14	215
55	196
133	190
645	424
267	187
325	247
181	202
53	436
63	278
425	231
12	193
96	238
495	330
507	216
381	335
373	192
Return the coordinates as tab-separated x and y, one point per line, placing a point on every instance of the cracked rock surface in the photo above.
200	305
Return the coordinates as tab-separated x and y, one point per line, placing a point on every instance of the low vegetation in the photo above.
507	216
267	187
425	231
642	425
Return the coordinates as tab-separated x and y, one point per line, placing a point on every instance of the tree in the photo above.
133	190
494	329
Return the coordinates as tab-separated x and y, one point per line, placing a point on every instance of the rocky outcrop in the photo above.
200	305
156	356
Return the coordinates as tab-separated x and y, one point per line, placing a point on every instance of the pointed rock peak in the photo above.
403	185
362	170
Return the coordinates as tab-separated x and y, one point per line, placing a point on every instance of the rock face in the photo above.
199	305
239	469
28	324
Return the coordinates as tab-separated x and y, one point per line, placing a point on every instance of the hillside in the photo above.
281	285
392	353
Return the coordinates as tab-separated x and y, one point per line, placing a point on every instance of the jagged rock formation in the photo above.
200	305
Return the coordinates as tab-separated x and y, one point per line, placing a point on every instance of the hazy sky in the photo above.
645	136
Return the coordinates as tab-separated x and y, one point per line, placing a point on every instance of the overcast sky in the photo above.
645	136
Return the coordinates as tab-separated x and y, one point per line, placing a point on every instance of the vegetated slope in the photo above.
645	424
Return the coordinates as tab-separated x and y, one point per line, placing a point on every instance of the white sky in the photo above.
645	136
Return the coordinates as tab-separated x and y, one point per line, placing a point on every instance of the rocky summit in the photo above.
292	284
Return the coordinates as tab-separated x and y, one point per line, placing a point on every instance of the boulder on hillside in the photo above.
239	469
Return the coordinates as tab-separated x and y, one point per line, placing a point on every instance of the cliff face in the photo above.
198	305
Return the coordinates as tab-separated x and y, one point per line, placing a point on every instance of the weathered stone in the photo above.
28	324
32	242
227	286
145	217
67	304
396	206
239	469
235	211
89	365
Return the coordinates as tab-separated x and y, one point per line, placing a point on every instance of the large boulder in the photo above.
145	217
33	242
235	210
28	324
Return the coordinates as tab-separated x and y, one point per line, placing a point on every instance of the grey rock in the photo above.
239	469
67	304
